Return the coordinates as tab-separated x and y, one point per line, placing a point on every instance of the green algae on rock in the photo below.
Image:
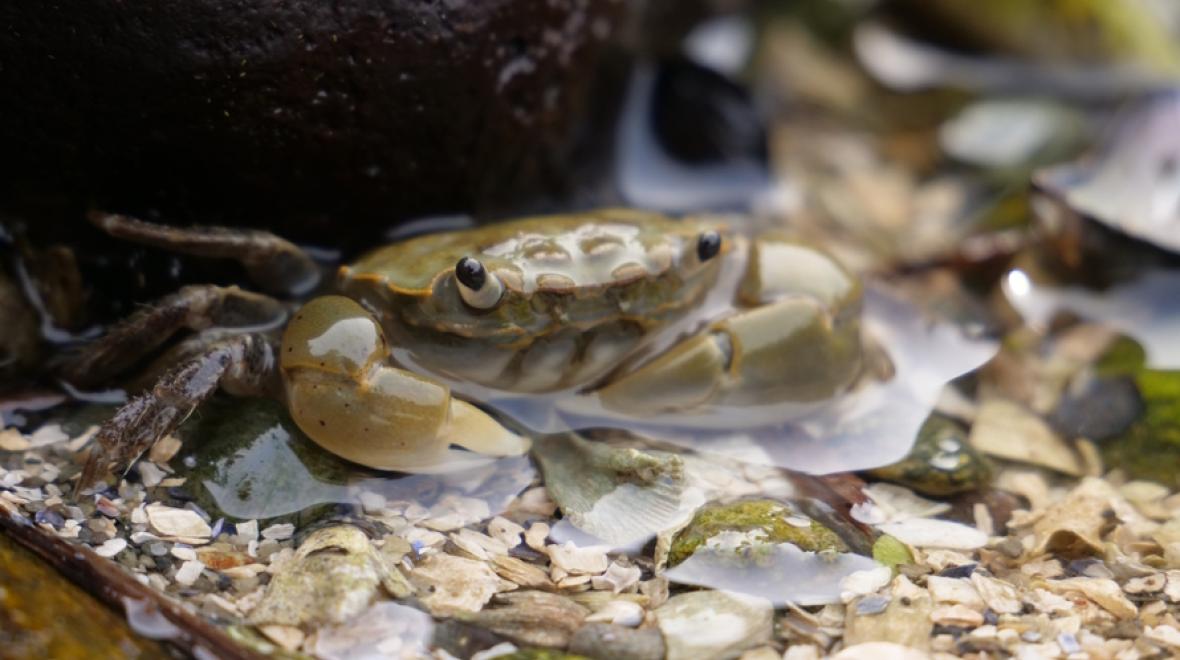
761	522
941	463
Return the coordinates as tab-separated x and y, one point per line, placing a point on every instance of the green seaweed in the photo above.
770	518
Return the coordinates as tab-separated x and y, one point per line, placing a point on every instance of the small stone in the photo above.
617	578
178	524
247	530
956	615
184	553
705	624
12	440
871	605
280	532
164	450
1146	584
454	584
536	535
577	561
111	547
506	531
188	572
620	612
150	473
602	640
287	637
954	591
1001	597
1106	593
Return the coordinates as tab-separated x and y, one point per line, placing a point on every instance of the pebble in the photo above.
178	524
870	605
280	532
188	572
111	547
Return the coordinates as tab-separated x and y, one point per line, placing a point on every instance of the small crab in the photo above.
649	314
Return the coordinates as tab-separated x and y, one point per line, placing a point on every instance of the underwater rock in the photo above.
1097	408
605	641
533	618
619	495
454	585
759	522
246	459
335	574
941	463
763	548
1150	448
713	624
905	620
385	630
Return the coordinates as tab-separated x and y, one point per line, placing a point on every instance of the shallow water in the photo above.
1147	309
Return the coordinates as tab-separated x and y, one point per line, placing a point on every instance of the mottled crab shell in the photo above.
580	291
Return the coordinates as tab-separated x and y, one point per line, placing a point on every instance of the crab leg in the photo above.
276	264
242	364
790	350
196	307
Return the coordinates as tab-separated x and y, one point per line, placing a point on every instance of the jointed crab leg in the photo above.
196	307
276	264
242	364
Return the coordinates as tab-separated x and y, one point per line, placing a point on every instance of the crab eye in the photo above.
479	289
708	245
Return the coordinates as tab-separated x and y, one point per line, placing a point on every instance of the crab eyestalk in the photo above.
344	396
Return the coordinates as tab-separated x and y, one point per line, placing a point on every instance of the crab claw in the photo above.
344	396
798	340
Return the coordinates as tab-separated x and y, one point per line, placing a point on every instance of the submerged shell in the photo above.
619	495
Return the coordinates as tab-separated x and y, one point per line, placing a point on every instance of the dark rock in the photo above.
605	641
302	116
701	116
1098	408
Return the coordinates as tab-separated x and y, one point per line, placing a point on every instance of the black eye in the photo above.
471	273
708	245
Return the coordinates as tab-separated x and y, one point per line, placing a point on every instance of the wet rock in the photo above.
313	116
333	577
941	463
1098	408
1150	448
702	116
1008	430
713	624
762	522
532	618
604	641
763	548
43	615
249	461
453	584
384	630
905	620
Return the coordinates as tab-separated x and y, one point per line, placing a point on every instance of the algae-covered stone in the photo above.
1150	447
249	461
891	552
750	523
334	576
941	463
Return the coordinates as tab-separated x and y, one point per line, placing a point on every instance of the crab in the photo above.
648	314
